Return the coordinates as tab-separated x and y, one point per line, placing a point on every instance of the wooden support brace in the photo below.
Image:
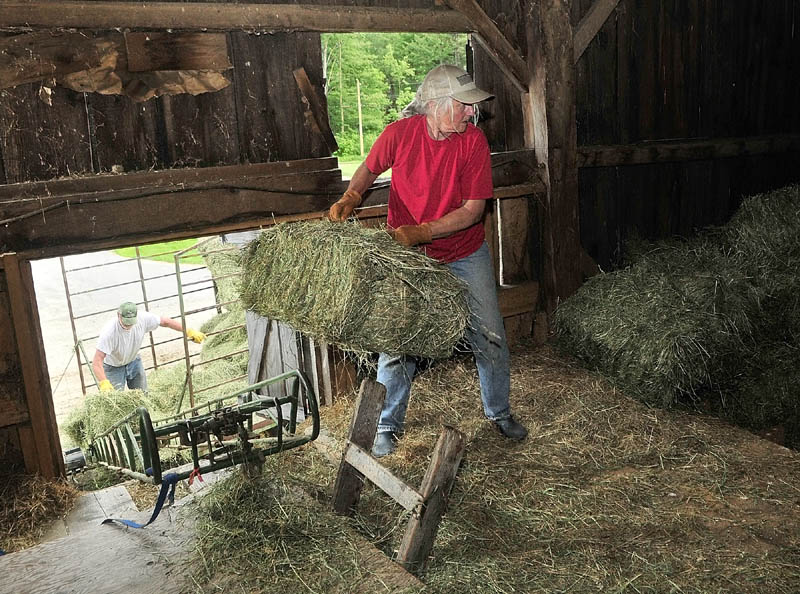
362	433
427	506
496	44
590	24
421	531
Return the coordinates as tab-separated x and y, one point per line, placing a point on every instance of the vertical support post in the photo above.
146	304
360	121
186	354
28	334
75	341
549	111
362	433
421	531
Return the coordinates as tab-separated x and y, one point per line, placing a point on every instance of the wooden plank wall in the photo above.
680	70
665	70
257	118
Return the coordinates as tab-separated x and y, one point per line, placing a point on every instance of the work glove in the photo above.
194	335
105	386
344	207
411	235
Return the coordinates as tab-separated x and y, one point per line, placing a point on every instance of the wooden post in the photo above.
421	530
549	110
362	433
48	460
360	122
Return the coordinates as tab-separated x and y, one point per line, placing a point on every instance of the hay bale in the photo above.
224	262
101	410
689	316
355	288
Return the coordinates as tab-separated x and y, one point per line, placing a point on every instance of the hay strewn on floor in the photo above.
702	318
355	288
606	495
28	503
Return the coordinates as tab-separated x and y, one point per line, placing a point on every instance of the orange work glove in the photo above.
344	207
411	235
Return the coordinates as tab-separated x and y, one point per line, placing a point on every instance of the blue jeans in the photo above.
486	335
132	374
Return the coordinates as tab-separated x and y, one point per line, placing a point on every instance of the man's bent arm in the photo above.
170	323
467	215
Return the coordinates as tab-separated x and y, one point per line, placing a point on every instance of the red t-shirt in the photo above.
431	178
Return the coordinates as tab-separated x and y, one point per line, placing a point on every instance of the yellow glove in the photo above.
411	235
344	207
105	386
194	335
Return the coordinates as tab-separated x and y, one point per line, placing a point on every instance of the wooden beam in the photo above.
386	481
505	55
590	24
550	129
686	150
213	16
315	111
27	331
156	50
363	426
31	57
77	214
436	486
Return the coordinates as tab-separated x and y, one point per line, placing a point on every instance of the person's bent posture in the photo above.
116	361
441	179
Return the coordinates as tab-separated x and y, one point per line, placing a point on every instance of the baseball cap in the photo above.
127	312
451	81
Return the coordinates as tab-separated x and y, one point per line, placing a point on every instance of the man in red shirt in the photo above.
441	179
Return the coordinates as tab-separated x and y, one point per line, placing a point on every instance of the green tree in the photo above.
388	68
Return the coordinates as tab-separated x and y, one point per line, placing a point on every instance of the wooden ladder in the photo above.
426	505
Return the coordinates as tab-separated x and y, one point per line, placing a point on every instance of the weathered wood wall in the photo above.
674	69
258	118
684	69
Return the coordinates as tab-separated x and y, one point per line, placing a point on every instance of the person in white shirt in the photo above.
116	361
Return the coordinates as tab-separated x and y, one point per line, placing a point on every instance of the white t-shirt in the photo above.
122	346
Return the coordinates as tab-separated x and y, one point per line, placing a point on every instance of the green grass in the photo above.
163	252
349	167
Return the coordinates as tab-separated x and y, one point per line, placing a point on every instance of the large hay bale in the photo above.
691	316
355	288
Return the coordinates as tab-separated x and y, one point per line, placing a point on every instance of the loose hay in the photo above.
100	410
355	288
27	504
606	495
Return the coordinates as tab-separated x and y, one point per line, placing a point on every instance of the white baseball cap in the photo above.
451	81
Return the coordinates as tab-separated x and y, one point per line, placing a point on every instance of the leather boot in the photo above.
511	429
384	444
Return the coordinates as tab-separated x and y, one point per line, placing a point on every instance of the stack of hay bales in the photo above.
714	315
355	288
